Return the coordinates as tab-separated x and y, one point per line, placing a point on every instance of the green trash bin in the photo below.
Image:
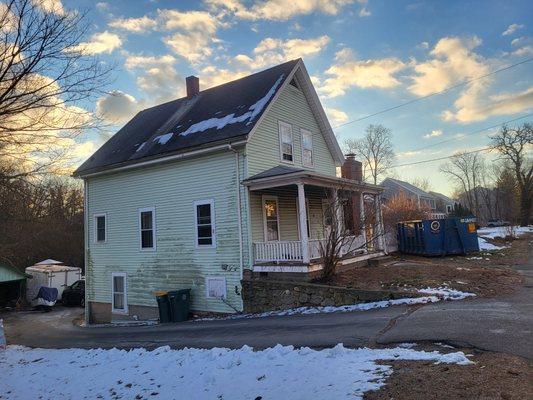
163	304
179	304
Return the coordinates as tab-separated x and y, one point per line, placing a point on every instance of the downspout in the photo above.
238	192
86	243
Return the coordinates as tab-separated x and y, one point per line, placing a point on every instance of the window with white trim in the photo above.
119	303
147	229
204	220
307	148
286	142
100	233
270	218
215	287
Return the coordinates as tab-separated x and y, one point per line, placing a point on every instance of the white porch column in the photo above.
338	211
362	216
380	231
302	221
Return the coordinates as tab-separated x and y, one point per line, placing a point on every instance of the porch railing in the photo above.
292	250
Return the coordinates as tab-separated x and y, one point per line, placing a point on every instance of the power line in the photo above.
441	158
434	94
472	133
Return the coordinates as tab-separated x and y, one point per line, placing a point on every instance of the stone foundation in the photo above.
261	295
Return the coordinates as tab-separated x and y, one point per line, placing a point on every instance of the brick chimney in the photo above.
352	169
193	86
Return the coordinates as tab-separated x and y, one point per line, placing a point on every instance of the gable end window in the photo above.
307	148
147	228
204	221
100	232
286	142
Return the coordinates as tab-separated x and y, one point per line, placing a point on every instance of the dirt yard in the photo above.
487	274
492	376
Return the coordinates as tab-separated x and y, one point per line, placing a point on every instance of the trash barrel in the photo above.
163	304
179	304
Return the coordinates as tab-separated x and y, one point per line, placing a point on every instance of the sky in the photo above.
364	56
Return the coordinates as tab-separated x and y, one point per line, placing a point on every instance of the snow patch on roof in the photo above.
253	111
163	139
140	146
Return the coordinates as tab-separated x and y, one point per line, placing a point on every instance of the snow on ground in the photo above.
503	231
484	245
436	294
281	372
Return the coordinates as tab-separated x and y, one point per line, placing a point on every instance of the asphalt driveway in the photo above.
502	324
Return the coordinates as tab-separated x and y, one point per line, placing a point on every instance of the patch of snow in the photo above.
407	345
163	139
503	231
140	146
484	245
253	111
474	258
280	372
446	293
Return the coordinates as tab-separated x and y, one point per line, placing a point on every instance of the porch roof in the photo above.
284	175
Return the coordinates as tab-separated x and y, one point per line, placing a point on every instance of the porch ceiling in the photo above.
283	176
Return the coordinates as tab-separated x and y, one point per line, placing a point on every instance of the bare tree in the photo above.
46	74
465	169
376	150
514	144
421	183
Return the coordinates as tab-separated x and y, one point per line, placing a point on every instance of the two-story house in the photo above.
190	193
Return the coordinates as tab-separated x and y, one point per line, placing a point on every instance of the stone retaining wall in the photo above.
261	295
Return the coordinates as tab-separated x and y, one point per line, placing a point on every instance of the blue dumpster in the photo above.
438	237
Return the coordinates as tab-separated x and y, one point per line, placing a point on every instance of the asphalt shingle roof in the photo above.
409	187
219	114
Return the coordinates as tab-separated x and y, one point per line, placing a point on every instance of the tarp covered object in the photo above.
47	296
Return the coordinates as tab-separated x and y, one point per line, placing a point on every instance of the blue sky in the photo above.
363	56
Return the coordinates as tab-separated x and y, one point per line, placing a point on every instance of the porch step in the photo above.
376	262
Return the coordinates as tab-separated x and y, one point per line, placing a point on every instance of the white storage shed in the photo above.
50	273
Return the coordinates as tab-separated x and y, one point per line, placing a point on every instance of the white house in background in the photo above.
443	203
190	193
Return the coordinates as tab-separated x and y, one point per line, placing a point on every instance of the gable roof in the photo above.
442	197
223	114
407	186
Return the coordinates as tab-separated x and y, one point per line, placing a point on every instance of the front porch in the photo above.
292	212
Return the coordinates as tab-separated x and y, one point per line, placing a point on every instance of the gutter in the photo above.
238	188
160	160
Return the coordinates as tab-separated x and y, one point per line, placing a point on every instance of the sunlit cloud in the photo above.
103	42
512	29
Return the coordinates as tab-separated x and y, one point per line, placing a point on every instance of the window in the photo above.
215	287
270	218
327	209
147	228
100	228
119	303
204	220
449	208
307	148
285	141
306	220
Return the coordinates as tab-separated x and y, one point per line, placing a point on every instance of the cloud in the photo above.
103	42
512	29
278	10
139	61
336	116
271	51
433	133
478	107
50	6
349	72
213	76
137	25
411	153
523	45
116	107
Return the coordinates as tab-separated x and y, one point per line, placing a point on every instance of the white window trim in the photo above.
113	309
154	229
207	286
280	124
265	230
197	203
302	130
308	215
95	226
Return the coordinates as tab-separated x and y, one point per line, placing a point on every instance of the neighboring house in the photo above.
393	187
190	193
12	284
443	203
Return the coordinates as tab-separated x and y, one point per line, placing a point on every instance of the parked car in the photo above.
74	295
497	222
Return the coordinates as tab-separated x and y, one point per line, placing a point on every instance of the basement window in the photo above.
215	287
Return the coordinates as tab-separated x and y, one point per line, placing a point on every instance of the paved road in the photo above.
503	324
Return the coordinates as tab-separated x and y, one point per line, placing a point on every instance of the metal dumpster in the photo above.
438	237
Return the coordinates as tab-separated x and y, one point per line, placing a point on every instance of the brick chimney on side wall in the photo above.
193	86
353	170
